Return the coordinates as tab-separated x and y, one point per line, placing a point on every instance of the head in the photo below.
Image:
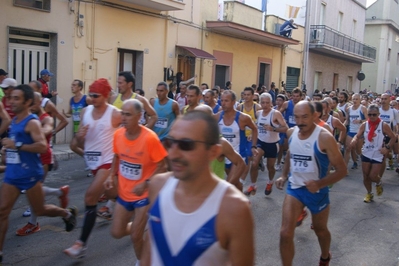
76	86
305	116
342	97
373	112
253	86
326	107
183	88
334	103
228	85
36	86
216	92
204	86
46	75
318	107
280	99
332	94
291	20
140	92
204	108
36	108
266	101
8	85
393	104
172	86
385	99
131	113
256	97
228	100
273	86
193	142
296	95
126	81
317	97
3	75
162	90
356	99
209	97
193	95
21	98
248	94
99	92
179	76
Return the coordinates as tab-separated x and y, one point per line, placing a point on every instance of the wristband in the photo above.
254	147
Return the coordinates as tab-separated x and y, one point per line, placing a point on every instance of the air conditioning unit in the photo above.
315	35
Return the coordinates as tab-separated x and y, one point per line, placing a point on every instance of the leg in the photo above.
255	163
270	168
319	221
8	195
292	208
366	167
374	173
137	229
121	222
347	149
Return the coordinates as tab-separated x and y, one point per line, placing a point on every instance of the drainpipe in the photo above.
306	40
282	64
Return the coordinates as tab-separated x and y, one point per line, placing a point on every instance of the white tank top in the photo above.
342	108
388	117
179	238
307	162
99	138
182	101
44	102
329	122
355	115
371	149
264	135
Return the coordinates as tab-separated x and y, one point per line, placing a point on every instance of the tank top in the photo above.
263	134
166	117
388	117
76	108
371	149
7	107
22	164
215	109
355	115
289	114
179	238
252	114
342	108
99	138
44	102
181	100
329	122
46	158
233	134
307	161
118	103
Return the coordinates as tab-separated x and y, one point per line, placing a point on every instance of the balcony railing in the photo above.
321	35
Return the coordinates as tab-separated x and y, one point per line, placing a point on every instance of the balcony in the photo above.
328	41
158	5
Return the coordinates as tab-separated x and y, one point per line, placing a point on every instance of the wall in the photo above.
242	14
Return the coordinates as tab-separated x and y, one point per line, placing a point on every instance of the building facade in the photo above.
382	31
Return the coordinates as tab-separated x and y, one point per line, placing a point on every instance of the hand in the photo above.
109	183
280	182
8	143
54	93
352	144
82	132
249	138
384	151
140	188
312	186
254	152
268	127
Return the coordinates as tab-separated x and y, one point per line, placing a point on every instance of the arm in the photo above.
47	125
358	135
52	110
364	110
286	169
175	108
152	115
142	187
247	121
69	113
284	107
5	119
88	100
116	118
113	174
386	129
342	129
238	166
281	121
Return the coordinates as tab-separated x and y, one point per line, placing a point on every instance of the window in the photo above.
353	28
349	83
317	81
322	14
340	18
131	60
43	5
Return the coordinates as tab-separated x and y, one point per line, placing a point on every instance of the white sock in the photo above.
48	191
137	263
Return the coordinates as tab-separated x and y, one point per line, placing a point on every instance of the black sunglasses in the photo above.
183	144
94	95
373	115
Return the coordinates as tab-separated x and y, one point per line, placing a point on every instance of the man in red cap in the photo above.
98	123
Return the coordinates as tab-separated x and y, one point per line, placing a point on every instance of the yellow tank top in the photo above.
251	113
118	101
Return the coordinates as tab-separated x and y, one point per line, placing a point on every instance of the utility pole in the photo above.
306	40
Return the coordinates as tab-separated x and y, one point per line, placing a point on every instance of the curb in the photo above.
64	155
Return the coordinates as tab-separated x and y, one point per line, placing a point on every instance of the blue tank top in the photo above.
76	109
289	114
166	116
216	109
22	164
234	135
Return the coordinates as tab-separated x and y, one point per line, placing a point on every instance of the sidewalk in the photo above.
62	152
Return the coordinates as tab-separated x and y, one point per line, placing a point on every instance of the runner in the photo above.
181	98
334	123
193	97
210	100
194	215
24	170
283	142
138	156
374	150
311	149
97	126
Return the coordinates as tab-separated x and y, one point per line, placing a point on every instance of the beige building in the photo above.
382	31
336	48
91	39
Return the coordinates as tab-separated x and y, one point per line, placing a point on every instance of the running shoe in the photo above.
278	167
64	197
90	174
262	165
104	212
379	189
354	165
77	251
23	191
325	262
268	189
28	229
70	223
251	191
27	213
301	217
102	199
369	197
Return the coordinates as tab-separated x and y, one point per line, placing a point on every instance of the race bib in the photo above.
291	120
12	157
162	123
230	137
262	130
301	163
130	171
76	116
93	159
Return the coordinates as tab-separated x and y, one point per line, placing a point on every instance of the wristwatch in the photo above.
387	146
274	129
18	145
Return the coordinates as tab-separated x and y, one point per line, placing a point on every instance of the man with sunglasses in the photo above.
375	150
232	125
138	155
98	124
196	218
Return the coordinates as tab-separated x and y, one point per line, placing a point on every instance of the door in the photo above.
264	74
349	83
292	78
186	65
221	75
335	82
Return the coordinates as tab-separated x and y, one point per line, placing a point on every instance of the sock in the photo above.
48	191
33	217
110	204
270	182
88	224
253	184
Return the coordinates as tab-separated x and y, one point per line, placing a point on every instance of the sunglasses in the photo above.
94	95
373	115
183	144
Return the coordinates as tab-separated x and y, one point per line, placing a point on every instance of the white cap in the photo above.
9	82
205	91
397	98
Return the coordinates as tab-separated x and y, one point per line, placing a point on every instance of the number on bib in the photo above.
130	171
301	163
93	159
291	120
162	122
12	157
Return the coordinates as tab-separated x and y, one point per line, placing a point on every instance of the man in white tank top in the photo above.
270	123
97	126
194	216
374	150
311	149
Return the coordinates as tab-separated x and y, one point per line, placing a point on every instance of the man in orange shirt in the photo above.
139	155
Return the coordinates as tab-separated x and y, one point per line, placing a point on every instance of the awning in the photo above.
247	33
197	52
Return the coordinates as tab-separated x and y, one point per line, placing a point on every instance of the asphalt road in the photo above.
362	234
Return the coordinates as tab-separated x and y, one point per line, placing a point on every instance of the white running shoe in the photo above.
27	213
77	251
